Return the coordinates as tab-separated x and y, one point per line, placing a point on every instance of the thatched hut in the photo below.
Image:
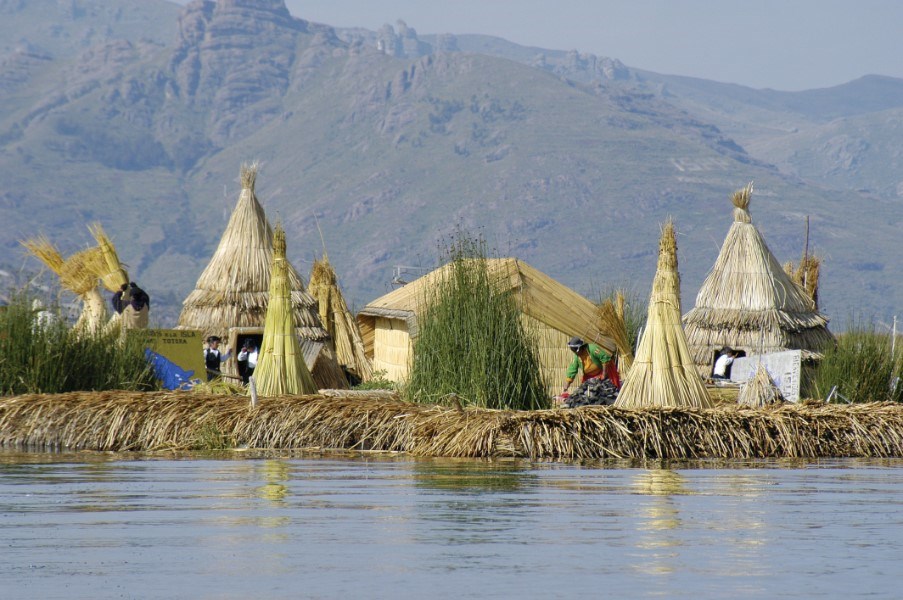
231	295
748	301
337	319
552	311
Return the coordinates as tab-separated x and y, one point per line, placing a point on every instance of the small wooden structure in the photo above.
552	312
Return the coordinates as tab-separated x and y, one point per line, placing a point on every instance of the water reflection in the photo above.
241	525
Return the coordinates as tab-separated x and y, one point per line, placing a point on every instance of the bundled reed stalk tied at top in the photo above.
110	272
760	390
806	275
119	421
338	320
280	365
748	301
78	274
663	372
612	320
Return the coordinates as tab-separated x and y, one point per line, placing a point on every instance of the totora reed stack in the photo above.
663	373
281	369
338	320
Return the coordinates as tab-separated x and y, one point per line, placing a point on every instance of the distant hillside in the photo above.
388	143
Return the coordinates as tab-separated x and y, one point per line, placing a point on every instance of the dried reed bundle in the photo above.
806	275
760	390
232	291
748	301
612	320
77	275
280	367
338	320
119	420
663	373
42	249
112	274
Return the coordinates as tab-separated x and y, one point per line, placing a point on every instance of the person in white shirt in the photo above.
247	360
722	365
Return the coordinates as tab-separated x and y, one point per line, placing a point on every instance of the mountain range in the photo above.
139	113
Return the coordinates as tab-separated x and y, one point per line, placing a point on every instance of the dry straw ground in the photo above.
379	421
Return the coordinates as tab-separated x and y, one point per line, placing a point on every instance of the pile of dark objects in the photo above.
594	392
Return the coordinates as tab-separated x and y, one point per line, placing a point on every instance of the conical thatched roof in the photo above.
663	373
234	288
748	301
280	368
338	320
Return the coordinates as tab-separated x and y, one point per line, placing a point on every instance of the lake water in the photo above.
237	525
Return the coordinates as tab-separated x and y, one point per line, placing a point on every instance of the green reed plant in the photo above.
862	368
41	353
472	346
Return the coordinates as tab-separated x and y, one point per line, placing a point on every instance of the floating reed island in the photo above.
140	421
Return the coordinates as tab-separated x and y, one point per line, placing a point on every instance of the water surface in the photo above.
234	525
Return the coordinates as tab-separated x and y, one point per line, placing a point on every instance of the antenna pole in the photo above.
805	264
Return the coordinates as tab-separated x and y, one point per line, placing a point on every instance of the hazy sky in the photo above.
782	44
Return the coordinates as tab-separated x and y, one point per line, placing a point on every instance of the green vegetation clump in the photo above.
862	367
41	353
377	382
209	436
472	346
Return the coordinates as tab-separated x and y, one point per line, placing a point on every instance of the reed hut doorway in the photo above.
716	353
237	335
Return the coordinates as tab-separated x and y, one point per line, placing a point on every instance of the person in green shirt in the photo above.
593	359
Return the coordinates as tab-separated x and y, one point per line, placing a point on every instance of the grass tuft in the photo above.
472	346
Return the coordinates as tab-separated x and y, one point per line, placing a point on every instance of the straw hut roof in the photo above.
663	373
233	290
281	369
538	295
337	319
748	301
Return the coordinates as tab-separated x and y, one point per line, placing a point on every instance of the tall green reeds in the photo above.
471	346
41	353
862	368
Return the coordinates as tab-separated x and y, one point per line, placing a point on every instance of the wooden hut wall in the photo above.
392	348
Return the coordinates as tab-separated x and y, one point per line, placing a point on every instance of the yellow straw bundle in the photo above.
41	248
663	373
338	320
611	319
111	274
281	369
760	390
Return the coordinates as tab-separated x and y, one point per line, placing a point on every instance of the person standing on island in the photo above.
213	357
135	314
247	360
121	298
723	364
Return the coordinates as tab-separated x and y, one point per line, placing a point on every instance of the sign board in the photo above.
784	368
177	356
